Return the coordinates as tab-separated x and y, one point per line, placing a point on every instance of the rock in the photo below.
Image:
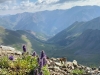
48	61
53	59
73	68
88	68
68	70
93	68
96	71
64	72
18	53
52	63
91	72
99	68
58	64
63	60
7	50
69	64
64	69
57	68
75	63
64	66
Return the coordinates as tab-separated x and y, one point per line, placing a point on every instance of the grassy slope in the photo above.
18	38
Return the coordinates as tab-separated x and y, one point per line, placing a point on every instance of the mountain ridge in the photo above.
74	30
51	22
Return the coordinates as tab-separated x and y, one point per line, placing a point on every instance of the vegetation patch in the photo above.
24	64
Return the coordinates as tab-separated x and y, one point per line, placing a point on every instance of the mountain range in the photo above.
75	32
49	22
79	41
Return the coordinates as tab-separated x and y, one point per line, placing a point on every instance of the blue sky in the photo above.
20	6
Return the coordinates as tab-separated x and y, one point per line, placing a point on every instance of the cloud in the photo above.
26	5
7	4
19	6
48	1
61	1
1	1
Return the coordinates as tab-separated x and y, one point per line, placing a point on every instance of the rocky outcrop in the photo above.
61	67
7	50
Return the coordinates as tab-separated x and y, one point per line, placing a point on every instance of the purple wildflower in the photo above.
44	61
43	54
36	72
24	48
41	73
11	57
41	64
34	54
38	60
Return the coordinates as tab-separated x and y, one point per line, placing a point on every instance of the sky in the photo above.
20	6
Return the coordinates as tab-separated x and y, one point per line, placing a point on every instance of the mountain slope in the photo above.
17	38
85	49
73	31
6	24
52	22
89	40
87	46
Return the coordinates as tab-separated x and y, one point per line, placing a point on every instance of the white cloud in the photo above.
26	5
47	1
18	6
1	1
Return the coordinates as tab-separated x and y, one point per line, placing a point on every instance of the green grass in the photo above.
78	72
45	70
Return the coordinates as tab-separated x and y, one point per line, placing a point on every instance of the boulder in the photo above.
75	63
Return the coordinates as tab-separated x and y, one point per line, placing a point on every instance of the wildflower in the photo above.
38	59
11	58
41	73
24	48
44	61
36	72
43	54
34	54
41	64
